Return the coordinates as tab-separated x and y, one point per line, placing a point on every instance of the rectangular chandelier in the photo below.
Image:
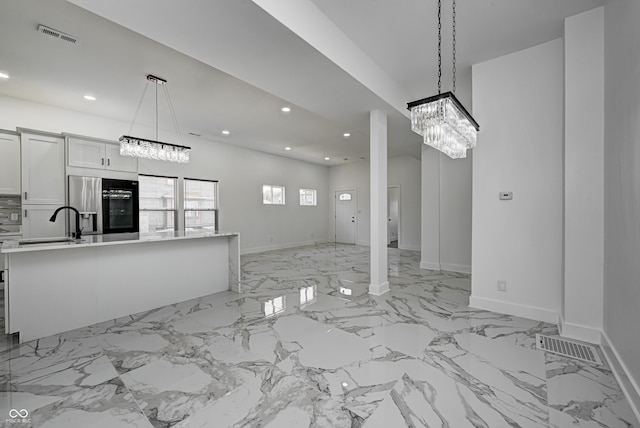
157	150
444	124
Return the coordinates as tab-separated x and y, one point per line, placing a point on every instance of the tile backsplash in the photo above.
10	209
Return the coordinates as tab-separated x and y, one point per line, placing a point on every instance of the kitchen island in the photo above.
54	287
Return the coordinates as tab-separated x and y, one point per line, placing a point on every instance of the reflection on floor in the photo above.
307	346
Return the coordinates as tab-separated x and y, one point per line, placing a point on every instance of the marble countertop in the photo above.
14	246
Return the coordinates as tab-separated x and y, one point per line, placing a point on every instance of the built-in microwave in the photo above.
106	205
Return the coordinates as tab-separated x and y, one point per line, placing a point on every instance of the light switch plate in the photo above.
14	216
506	196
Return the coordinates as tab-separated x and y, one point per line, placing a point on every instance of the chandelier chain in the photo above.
454	46
156	111
439	46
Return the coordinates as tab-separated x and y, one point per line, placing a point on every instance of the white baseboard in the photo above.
452	267
627	383
430	265
410	247
363	243
579	332
380	289
515	309
279	247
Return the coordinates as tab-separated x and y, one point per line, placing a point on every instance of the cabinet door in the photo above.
117	162
42	169
9	164
86	154
36	224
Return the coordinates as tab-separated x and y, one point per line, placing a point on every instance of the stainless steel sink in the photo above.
45	241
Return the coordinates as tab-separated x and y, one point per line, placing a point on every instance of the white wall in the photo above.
518	101
583	175
241	173
403	171
455	213
446	212
622	186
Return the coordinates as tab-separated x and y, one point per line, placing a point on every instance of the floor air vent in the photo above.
567	348
58	34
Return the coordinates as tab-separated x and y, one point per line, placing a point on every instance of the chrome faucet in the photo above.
78	233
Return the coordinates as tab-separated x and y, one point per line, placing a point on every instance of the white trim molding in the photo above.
430	266
409	247
280	247
452	267
515	309
627	383
579	332
379	290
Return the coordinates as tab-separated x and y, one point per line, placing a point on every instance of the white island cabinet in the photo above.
55	287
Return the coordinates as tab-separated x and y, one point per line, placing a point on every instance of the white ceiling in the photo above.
232	64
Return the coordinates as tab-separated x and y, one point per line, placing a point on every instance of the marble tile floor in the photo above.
6	341
304	345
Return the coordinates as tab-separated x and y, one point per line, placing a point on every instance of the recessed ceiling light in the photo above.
226	132
287	148
286	109
327	158
4	75
89	98
346	135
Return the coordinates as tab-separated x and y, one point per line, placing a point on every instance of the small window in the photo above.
308	197
272	195
345	196
157	199
200	205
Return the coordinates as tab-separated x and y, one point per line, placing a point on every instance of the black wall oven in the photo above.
120	211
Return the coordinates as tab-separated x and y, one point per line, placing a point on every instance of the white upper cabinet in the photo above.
9	164
43	175
85	153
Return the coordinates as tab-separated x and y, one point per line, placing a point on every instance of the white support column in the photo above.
378	151
582	312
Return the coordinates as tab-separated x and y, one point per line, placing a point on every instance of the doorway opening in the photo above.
393	216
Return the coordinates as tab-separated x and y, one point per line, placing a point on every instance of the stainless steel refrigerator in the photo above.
106	205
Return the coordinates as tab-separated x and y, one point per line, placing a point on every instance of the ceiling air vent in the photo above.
58	34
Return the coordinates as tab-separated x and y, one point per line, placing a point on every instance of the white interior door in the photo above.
345	216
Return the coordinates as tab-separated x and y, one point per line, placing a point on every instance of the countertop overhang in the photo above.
13	246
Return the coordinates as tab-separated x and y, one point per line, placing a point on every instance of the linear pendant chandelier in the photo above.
442	120
153	149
